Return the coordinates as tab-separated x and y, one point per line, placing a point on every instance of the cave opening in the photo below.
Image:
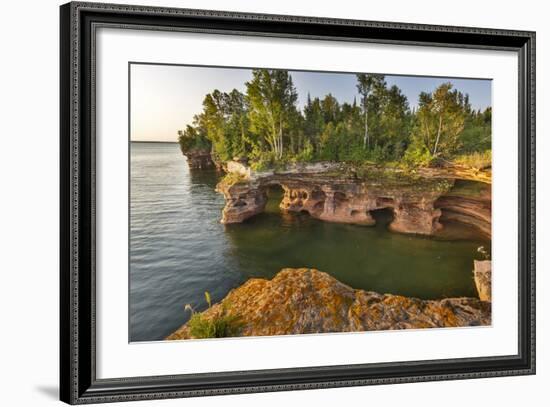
275	195
382	216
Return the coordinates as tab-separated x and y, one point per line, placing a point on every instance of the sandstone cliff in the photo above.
302	301
199	159
419	202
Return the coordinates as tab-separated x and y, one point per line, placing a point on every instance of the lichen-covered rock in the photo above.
302	301
482	278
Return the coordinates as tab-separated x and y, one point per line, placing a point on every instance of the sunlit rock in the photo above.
482	278
303	301
419	203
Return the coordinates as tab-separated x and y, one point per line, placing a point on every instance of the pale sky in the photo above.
164	98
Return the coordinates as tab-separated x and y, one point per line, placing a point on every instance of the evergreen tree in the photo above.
314	122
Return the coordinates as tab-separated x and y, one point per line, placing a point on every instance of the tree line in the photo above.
265	125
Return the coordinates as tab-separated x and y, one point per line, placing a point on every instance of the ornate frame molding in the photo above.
78	380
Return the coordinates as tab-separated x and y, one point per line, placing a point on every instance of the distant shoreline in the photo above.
159	142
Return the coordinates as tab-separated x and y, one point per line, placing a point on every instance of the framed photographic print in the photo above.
256	203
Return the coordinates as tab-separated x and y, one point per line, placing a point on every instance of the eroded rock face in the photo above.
420	204
336	198
468	203
302	301
199	159
242	201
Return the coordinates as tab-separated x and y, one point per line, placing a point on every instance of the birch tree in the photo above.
441	117
366	84
271	97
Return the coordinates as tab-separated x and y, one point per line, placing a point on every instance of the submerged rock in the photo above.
302	301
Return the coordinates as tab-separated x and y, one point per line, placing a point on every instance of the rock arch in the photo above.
416	209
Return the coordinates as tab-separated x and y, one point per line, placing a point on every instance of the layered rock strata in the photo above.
335	198
199	159
419	204
303	301
468	203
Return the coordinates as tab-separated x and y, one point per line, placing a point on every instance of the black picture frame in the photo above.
78	382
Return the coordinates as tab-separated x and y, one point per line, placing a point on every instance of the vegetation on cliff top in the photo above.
265	125
232	178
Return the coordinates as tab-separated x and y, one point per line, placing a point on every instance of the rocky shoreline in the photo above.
420	203
199	159
301	301
304	301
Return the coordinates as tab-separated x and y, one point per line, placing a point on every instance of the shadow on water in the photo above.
205	177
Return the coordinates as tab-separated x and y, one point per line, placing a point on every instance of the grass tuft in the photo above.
478	160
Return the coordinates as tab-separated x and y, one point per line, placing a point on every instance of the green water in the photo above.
364	257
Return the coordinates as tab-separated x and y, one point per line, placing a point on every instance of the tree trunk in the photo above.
438	135
274	140
280	138
366	141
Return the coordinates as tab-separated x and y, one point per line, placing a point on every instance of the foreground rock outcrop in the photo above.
302	301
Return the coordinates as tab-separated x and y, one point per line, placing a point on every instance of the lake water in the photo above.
179	249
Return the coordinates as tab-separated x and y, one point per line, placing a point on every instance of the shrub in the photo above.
306	154
232	178
417	156
261	160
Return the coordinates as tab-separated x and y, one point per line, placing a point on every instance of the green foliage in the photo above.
219	325
231	178
271	98
439	122
306	154
417	156
191	139
477	132
265	125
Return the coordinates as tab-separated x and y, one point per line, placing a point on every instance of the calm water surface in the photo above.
179	249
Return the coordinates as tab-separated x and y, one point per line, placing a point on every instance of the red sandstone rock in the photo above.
420	205
199	159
